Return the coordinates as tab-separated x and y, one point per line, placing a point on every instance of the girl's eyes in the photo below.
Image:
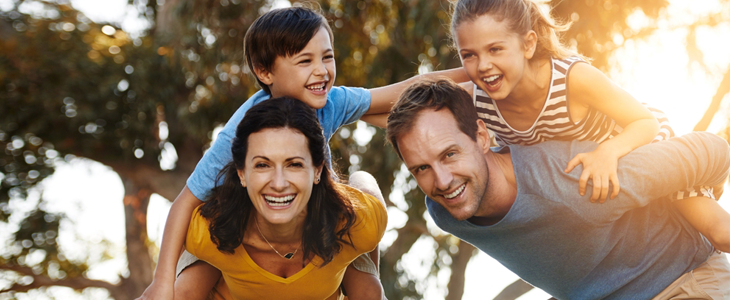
465	56
495	49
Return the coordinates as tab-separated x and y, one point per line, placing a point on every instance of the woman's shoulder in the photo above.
371	216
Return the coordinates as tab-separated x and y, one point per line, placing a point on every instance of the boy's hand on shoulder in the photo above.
157	291
601	167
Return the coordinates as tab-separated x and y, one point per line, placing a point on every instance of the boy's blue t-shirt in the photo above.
344	106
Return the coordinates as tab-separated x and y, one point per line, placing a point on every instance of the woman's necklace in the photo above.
286	256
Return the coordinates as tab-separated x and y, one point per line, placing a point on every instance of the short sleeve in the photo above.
198	235
372	219
344	106
202	181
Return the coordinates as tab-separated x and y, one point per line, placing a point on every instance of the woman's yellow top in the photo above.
246	280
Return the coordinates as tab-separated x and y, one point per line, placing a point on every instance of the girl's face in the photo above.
494	57
279	175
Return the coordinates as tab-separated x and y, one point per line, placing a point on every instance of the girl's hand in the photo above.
601	166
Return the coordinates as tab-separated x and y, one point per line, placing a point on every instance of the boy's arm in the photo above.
383	98
176	229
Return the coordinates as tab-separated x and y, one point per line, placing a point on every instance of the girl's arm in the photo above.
590	88
383	98
176	229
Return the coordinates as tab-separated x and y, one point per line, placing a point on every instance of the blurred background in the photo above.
107	105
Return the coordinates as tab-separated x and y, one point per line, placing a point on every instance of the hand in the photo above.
157	291
600	166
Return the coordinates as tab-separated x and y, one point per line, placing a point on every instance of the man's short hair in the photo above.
280	32
431	94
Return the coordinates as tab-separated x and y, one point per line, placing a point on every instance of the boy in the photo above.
290	52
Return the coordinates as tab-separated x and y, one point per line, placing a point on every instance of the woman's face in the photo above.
279	175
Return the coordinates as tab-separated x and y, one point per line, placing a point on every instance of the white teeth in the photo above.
456	192
279	201
316	87
491	78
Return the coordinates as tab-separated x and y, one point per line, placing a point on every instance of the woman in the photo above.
277	225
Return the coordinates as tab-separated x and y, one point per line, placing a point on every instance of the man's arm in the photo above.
654	171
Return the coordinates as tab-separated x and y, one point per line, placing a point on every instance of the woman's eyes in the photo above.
261	165
297	165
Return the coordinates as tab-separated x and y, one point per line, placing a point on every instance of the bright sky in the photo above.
655	71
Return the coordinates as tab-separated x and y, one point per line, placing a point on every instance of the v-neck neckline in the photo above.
304	271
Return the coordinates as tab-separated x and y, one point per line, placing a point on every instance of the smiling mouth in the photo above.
456	192
492	80
317	87
279	201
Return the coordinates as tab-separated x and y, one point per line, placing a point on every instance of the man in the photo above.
517	205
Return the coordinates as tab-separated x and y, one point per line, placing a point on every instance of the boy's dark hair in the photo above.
280	32
431	94
330	213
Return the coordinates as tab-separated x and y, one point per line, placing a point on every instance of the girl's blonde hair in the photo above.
520	16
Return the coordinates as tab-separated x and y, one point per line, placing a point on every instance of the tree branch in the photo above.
722	90
76	283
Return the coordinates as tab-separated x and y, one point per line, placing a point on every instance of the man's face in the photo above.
449	166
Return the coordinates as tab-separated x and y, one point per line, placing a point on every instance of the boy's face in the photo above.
307	75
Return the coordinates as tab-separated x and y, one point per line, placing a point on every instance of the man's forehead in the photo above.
432	132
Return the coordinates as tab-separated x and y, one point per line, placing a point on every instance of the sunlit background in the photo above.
659	69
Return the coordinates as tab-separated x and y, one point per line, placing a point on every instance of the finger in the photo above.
604	189
616	186
596	188
582	182
573	163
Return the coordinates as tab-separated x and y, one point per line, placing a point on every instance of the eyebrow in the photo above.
488	45
267	159
301	54
441	154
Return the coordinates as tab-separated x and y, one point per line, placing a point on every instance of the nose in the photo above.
443	178
485	64
279	182
320	69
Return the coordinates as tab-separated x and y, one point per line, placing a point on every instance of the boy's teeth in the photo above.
279	201
456	192
316	87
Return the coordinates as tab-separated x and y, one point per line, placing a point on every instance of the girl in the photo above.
529	88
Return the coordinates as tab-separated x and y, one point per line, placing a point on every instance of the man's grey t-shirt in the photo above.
631	247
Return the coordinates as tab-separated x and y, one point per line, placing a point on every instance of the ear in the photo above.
483	138
263	75
242	176
530	42
318	174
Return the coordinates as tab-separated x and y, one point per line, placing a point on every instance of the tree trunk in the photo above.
458	269
136	200
722	90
